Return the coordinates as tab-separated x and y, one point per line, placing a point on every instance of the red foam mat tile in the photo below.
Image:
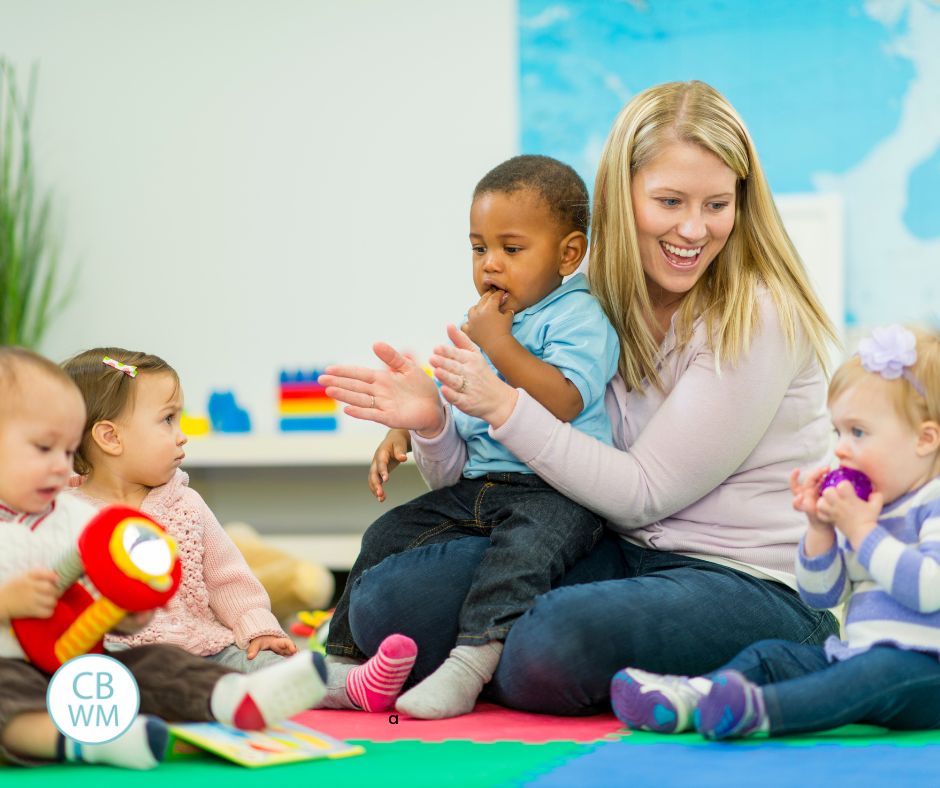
486	724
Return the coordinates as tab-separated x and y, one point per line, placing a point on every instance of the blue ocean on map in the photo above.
840	97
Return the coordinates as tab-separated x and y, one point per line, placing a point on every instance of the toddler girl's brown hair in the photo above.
107	391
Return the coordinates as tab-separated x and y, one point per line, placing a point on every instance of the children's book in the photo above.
286	742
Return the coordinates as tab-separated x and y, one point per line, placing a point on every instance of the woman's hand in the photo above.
468	382
399	396
391	452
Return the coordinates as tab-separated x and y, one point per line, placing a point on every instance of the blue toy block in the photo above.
299	376
309	424
226	415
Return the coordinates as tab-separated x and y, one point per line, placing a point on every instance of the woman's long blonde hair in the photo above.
758	251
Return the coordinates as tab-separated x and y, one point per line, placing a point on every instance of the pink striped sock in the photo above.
374	685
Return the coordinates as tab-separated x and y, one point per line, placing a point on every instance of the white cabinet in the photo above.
305	492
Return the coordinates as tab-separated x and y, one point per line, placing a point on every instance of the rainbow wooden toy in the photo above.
303	405
129	559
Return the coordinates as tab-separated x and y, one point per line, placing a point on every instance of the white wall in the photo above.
253	185
816	225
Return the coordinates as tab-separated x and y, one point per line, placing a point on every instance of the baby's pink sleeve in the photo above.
235	595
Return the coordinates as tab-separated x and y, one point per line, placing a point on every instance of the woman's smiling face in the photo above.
684	207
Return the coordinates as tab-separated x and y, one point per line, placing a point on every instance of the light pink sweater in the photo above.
219	601
701	469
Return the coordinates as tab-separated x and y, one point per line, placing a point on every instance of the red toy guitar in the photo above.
129	559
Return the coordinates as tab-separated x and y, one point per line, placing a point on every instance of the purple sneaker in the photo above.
734	707
654	702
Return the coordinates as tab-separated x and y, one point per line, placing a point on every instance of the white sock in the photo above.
252	701
336	673
141	746
454	687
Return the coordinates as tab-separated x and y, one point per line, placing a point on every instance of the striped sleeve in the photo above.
822	579
910	573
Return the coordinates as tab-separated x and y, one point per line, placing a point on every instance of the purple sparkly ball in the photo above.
859	480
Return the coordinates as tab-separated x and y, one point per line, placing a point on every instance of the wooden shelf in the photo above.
220	450
307	492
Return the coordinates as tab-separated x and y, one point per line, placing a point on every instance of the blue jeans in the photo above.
804	692
621	605
534	534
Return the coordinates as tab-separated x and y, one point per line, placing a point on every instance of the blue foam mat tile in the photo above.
765	764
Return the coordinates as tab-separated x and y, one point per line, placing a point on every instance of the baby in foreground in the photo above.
41	420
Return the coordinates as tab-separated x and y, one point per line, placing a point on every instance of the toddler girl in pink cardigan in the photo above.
130	454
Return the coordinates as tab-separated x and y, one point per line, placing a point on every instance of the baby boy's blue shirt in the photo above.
569	330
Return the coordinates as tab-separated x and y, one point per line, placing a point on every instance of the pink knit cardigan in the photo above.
219	601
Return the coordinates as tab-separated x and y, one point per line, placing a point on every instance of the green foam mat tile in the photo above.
417	764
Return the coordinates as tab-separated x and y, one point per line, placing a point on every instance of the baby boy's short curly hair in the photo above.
556	183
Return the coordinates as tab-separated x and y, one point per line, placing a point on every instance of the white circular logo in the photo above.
93	698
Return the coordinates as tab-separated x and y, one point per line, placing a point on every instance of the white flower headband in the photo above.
889	351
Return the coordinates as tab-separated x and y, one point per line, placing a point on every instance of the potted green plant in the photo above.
29	248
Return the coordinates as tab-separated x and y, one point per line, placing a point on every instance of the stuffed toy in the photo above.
292	583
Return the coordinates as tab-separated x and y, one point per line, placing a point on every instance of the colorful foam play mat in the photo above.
500	747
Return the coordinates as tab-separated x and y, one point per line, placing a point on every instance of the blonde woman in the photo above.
720	393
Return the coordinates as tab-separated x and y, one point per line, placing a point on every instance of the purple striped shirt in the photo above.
891	584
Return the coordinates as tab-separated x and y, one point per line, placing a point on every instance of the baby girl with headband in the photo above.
880	555
130	454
